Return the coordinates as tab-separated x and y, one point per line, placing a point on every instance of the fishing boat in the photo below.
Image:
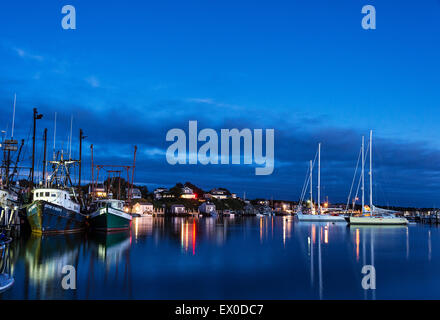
109	216
372	215
10	192
321	216
55	207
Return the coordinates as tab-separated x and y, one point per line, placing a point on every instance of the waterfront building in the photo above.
177	209
143	208
207	208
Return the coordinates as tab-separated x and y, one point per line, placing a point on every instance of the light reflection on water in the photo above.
235	258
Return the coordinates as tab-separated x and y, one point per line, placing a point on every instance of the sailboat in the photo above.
320	216
374	215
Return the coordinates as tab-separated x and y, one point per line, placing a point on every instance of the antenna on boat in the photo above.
13	117
319	178
371	171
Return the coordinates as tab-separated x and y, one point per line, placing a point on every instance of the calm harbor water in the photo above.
231	258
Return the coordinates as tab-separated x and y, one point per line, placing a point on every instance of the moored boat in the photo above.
109	215
372	215
314	216
55	207
377	220
53	211
319	217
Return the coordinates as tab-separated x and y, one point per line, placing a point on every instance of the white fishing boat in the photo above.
320	216
373	215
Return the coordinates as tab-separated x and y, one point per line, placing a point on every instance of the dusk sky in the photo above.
132	70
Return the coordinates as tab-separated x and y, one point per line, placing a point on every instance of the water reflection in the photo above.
159	258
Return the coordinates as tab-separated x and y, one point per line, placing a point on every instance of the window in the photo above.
65	196
47	194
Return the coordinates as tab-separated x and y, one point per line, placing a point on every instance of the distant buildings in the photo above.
162	193
187	193
100	192
143	208
177	209
207	208
219	194
135	193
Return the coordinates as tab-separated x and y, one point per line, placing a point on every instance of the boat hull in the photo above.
49	218
377	221
110	219
319	218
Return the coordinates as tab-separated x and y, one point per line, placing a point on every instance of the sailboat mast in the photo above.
362	176
319	178
371	171
311	188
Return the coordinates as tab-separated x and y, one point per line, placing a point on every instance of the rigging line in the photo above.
360	174
308	178
354	178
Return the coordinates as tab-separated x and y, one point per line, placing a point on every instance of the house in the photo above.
143	208
177	209
207	208
135	193
187	193
160	193
217	194
101	192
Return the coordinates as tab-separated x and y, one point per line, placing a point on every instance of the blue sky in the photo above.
132	70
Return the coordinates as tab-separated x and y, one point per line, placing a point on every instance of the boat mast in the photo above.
54	136
319	178
362	176
311	189
13	117
371	171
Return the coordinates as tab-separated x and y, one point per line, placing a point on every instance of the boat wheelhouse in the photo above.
108	215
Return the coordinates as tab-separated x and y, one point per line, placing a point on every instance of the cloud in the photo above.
93	82
405	173
26	55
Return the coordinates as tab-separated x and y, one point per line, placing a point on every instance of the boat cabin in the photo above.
58	197
111	203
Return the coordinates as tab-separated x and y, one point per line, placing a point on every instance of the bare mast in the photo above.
362	176
319	178
371	171
311	188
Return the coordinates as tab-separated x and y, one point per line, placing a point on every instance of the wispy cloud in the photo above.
93	82
27	55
